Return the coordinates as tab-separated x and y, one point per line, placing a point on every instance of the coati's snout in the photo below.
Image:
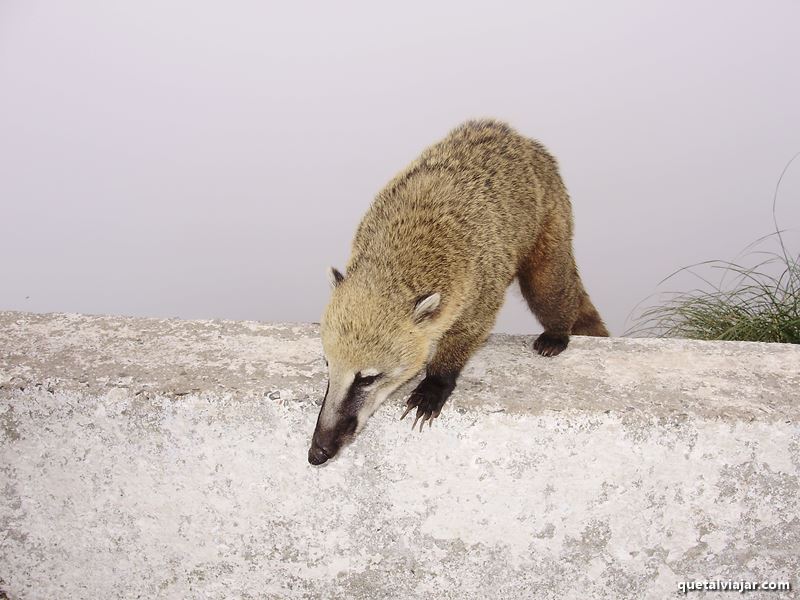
317	454
332	429
349	400
325	443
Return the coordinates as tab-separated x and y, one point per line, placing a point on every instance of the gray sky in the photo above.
209	160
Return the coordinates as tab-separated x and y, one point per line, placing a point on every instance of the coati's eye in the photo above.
365	380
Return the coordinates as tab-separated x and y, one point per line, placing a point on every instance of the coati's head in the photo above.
374	340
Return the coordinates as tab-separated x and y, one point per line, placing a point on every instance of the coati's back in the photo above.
472	203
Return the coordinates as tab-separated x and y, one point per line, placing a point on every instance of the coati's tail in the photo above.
588	321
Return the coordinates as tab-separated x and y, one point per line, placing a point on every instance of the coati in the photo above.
430	264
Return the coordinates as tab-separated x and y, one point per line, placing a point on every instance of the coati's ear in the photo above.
334	276
426	307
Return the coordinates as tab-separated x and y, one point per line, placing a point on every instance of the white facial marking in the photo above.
338	386
372	404
374	395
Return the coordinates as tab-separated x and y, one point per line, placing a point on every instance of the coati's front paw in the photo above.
550	344
429	398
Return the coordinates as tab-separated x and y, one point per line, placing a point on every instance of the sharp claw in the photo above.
425	417
408	410
414	424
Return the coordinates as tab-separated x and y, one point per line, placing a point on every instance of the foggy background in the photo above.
210	160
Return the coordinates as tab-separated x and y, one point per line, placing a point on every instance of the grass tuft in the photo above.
758	303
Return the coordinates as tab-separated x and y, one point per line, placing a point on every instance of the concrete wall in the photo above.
164	458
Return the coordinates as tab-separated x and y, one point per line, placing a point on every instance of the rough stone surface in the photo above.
167	459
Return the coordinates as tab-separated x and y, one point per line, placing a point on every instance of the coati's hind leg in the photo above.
452	353
549	280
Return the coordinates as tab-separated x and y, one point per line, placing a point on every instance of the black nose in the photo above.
317	454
